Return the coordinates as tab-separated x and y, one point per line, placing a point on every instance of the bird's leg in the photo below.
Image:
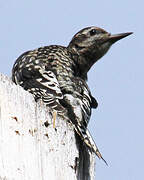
54	114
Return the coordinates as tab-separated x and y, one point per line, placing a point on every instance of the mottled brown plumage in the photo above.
58	75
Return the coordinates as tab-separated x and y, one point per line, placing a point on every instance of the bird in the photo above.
58	75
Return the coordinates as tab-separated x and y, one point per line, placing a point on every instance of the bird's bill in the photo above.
115	37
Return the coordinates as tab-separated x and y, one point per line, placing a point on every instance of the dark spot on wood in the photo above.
30	131
15	118
17	132
35	130
71	166
46	124
47	135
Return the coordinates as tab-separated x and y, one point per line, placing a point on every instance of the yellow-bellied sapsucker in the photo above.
58	75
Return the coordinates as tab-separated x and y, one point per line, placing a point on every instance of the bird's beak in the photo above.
115	37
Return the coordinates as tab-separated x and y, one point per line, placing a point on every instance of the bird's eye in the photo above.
93	32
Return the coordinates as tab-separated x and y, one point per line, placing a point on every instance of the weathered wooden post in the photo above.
30	148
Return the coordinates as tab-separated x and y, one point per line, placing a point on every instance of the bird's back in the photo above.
53	58
50	73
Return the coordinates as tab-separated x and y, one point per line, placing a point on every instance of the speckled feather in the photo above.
50	73
58	74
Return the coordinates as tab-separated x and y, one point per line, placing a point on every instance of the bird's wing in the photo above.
87	101
35	79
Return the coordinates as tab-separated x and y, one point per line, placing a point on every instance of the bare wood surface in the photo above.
30	148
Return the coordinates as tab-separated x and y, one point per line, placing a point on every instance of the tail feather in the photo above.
88	140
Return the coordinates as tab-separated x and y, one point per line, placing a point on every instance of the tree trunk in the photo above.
31	148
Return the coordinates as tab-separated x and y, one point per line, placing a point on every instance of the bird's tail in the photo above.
88	140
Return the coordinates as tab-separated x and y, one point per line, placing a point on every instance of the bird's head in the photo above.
91	44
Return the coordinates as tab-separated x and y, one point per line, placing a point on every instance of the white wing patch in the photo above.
49	81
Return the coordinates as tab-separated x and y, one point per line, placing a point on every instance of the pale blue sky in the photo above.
116	80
